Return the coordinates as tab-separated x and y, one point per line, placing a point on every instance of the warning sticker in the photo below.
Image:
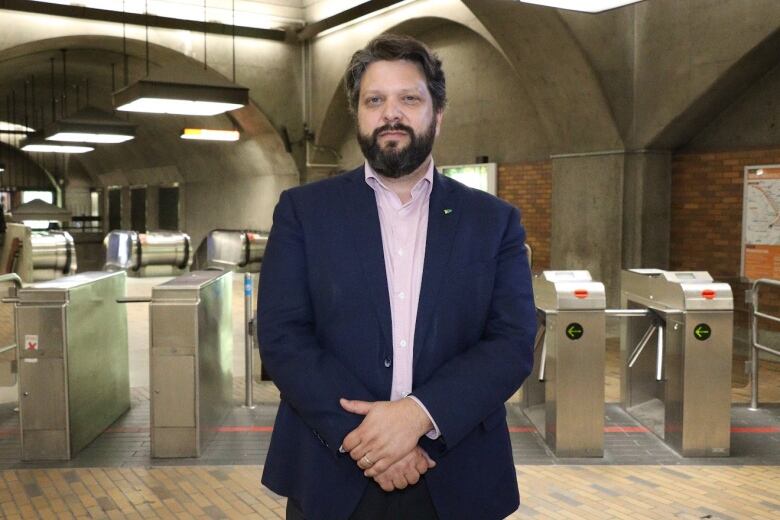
31	342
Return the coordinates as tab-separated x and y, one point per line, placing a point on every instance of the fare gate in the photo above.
683	392
73	362
564	396
191	360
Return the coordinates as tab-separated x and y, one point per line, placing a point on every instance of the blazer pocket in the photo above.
496	417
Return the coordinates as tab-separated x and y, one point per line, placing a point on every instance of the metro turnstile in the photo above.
155	253
681	390
564	396
191	360
73	362
236	250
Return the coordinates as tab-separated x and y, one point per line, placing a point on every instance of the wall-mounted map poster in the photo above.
761	223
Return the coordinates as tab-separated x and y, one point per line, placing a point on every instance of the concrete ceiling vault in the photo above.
157	147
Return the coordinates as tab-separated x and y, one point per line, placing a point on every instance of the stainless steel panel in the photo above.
158	253
571	418
192	337
690	407
707	387
42	394
45	445
173	384
236	250
53	254
574	390
81	336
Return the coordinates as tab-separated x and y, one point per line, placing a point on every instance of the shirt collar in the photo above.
373	179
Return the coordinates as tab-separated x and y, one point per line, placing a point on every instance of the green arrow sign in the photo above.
702	331
574	331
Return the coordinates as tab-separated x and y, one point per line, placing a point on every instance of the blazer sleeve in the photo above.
311	379
468	388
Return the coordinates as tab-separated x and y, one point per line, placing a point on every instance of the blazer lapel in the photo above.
363	222
443	218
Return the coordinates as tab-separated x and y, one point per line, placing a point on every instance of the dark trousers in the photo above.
375	504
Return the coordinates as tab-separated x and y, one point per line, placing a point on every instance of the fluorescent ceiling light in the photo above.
36	143
90	125
79	137
202	96
5	126
203	134
248	13
587	6
56	148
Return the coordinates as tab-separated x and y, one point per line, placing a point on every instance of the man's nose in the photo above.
392	111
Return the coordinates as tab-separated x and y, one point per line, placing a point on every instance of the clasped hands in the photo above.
385	443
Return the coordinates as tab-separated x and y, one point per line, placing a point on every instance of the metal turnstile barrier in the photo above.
235	250
73	362
755	347
37	256
191	360
158	253
564	396
683	392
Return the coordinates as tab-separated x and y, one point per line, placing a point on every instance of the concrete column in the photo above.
646	209
610	210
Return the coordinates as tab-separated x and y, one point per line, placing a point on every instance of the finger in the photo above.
386	485
431	462
421	465
358	407
412	477
352	440
378	467
399	481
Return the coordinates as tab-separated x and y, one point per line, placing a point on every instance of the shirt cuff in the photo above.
434	433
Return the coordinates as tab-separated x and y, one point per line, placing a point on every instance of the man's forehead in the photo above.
383	72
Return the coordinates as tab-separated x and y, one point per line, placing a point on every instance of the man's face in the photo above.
396	121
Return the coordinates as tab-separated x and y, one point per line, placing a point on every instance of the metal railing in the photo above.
755	347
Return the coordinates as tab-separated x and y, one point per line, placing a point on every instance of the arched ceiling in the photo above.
91	63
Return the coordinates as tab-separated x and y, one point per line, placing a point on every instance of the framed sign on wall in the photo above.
761	222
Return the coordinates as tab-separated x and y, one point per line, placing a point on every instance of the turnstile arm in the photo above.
659	355
642	343
540	333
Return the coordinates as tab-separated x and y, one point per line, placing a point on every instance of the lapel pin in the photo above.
447	211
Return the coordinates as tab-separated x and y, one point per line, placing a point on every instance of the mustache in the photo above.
395	127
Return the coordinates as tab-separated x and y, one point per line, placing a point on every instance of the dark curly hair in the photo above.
394	47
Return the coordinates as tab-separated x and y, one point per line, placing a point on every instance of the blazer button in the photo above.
388	362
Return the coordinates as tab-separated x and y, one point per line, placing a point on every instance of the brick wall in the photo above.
529	187
706	218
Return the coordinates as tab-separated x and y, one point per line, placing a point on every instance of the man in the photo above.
396	317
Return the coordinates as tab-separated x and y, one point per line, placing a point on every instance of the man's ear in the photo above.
439	115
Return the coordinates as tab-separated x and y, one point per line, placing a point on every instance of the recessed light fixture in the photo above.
203	134
587	6
90	125
202	97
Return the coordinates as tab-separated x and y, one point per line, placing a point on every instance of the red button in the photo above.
581	293
708	294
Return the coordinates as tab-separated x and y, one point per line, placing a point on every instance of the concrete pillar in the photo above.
610	210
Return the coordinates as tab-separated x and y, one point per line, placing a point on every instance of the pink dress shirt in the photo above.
404	232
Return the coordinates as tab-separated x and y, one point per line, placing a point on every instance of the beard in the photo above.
392	161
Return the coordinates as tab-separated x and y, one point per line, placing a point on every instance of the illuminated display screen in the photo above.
478	176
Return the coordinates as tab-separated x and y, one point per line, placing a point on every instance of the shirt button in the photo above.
402	295
400	252
402	342
388	362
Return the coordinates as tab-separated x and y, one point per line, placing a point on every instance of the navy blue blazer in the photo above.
324	332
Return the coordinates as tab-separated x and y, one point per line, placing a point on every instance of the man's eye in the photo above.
411	99
374	100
